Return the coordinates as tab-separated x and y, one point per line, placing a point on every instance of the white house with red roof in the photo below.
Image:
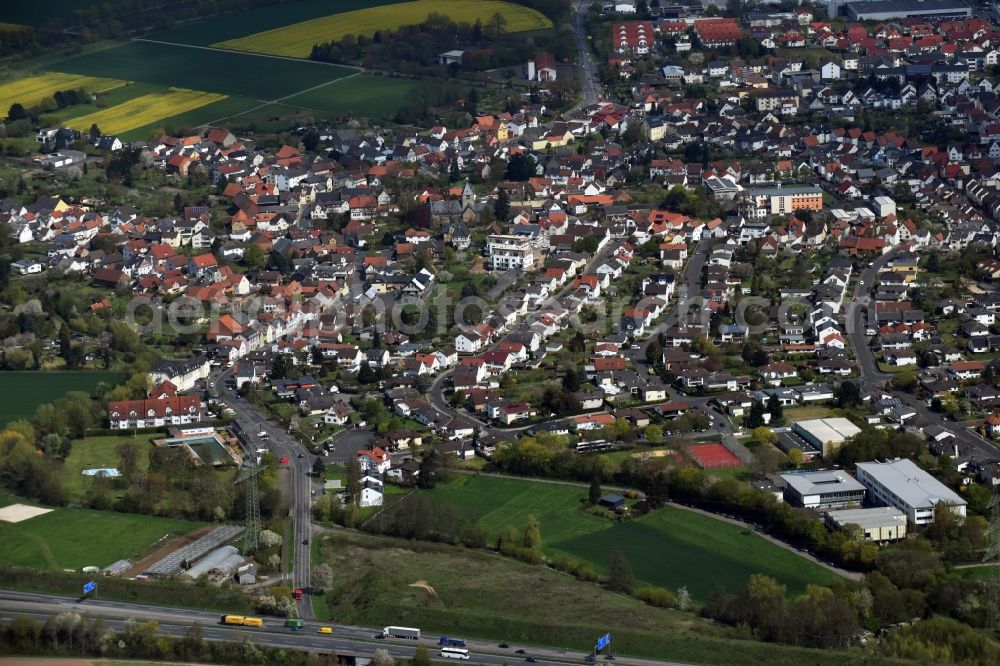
376	460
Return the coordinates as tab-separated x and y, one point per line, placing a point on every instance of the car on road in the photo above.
503	645
325	630
305	542
519	651
263	434
284	460
530	660
302	455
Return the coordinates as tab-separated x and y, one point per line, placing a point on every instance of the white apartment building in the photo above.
510	251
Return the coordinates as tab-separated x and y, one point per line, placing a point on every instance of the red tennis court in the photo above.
713	456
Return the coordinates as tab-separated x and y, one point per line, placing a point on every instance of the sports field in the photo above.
33	89
669	548
298	39
713	456
23	392
144	110
76	538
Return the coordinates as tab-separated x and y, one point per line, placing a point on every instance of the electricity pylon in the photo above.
248	472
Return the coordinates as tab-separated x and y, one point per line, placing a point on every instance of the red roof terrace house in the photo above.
717	32
134	414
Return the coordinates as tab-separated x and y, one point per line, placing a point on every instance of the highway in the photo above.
283	445
345	639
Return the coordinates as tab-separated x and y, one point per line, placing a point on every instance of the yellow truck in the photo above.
240	620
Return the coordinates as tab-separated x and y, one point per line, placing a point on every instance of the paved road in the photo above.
346	639
873	378
688	290
856	324
590	84
283	445
436	391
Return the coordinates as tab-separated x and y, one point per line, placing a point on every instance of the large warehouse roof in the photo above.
910	483
828	430
821	482
880	9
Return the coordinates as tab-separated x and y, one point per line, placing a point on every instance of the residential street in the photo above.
283	445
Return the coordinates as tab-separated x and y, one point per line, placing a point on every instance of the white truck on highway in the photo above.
401	632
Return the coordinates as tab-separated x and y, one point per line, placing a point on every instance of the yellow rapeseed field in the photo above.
144	110
33	89
297	40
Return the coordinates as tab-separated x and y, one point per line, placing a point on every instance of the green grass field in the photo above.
96	453
670	548
231	26
447	590
371	96
23	392
228	73
75	538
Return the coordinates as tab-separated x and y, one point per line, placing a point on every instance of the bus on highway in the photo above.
451	642
454	653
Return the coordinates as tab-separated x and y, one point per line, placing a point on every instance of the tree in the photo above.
310	141
280	367
366	375
755	418
319	468
594	494
572	380
322	576
795	457
683	598
382	658
128	459
501	207
905	380
654	352
653	433
847	394
765	435
16	112
532	534
619	571
353	478
421	657
520	167
775	409
253	257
